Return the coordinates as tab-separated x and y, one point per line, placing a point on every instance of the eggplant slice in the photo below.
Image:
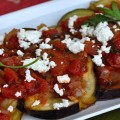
108	94
47	111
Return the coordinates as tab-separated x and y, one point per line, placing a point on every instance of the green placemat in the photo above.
113	115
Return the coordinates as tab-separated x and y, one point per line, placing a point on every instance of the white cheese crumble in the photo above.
37	102
18	94
5	86
63	79
98	60
28	37
20	53
59	91
38	52
71	23
10	108
114	26
1	51
24	44
44	29
100	5
86	30
2	37
103	32
64	103
105	49
28	77
75	46
42	65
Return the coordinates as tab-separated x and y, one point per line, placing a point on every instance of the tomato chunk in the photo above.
4	116
10	75
76	67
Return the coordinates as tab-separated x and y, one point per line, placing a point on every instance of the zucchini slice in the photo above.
47	111
94	4
78	12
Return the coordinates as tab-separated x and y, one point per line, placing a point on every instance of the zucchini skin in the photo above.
78	12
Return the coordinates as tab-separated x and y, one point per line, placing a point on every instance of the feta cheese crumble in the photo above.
63	79
86	30
75	46
100	5
18	94
28	77
1	51
5	86
20	53
38	52
103	32
64	103
71	23
10	108
42	65
25	38
59	91
37	102
98	59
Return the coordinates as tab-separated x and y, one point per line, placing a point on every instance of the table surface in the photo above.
7	6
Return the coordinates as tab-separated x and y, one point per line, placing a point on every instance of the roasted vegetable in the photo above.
13	115
78	12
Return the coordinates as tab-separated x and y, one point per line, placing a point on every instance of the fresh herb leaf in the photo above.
108	15
16	67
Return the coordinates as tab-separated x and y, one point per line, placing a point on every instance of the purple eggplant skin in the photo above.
21	105
56	114
49	114
108	94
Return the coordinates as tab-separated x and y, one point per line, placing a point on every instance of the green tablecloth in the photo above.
113	115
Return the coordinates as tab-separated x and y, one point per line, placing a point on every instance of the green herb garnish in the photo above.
110	15
16	67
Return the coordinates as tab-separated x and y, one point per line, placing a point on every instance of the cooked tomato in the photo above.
61	63
10	91
91	48
11	61
43	84
10	75
50	32
13	42
76	67
4	116
116	41
59	45
113	59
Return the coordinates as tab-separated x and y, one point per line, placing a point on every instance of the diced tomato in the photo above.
13	42
10	75
50	32
10	91
43	84
113	60
64	25
30	87
11	61
80	21
76	67
58	58
59	45
116	40
4	116
91	48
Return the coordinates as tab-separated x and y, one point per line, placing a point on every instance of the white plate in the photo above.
49	13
